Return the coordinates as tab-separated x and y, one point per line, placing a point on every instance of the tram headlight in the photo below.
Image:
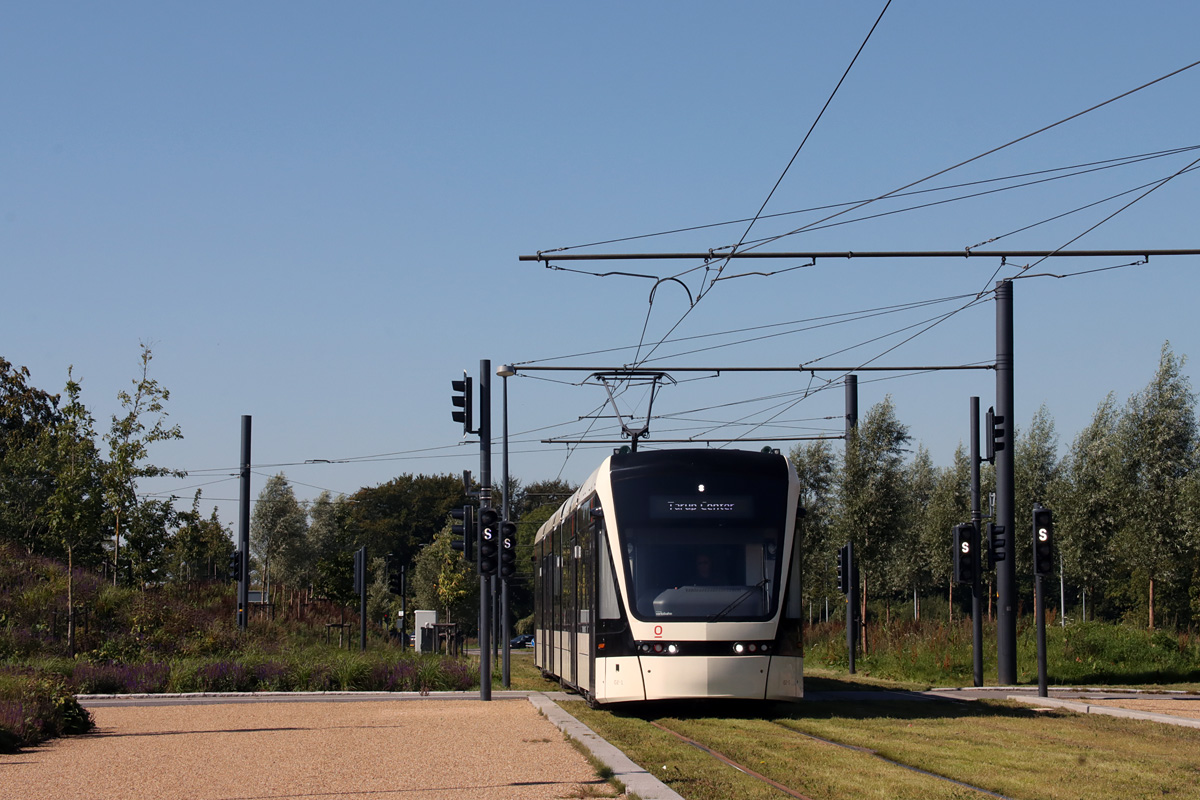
672	649
739	648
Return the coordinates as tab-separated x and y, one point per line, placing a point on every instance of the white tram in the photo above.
674	574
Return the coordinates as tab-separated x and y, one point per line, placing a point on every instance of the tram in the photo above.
674	574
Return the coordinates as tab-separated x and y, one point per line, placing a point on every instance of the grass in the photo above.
1008	749
1005	748
928	653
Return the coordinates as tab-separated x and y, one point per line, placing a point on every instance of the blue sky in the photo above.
313	212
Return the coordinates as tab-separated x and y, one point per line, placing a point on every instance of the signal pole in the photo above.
1006	583
977	522
243	592
485	500
505	372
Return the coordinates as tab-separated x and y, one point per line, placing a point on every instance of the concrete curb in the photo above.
637	780
1110	711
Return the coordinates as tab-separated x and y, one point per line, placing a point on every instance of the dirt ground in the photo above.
416	750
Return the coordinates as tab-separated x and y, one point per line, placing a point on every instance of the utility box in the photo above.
423	631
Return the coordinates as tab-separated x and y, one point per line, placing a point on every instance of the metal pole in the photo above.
851	403
403	611
362	599
851	605
1039	600
1062	595
504	372
1006	584
852	616
977	521
243	597
485	499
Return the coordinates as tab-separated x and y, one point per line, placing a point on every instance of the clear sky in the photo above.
313	212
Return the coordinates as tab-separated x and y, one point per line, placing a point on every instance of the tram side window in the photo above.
609	608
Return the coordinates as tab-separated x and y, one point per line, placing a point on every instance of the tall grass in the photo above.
940	654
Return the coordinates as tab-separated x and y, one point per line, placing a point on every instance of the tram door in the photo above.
571	590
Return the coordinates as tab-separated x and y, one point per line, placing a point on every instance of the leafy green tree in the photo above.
1087	519
331	546
910	569
277	525
443	581
200	547
949	504
816	468
1158	441
73	509
27	415
552	493
399	516
142	521
1036	476
872	495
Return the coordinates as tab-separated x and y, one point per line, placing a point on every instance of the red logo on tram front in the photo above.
658	631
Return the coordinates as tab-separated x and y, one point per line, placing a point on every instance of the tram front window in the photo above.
701	573
700	546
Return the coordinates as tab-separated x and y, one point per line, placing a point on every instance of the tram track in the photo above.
791	792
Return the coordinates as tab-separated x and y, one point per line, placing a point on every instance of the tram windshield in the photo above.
703	541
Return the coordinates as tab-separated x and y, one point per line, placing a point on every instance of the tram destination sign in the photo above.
740	506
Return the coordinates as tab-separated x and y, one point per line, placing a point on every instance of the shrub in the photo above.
33	709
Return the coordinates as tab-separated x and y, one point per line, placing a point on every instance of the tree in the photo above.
949	504
552	493
1035	480
910	568
399	516
1088	517
1158	441
73	509
816	469
200	547
27	414
442	580
331	547
871	492
143	521
278	524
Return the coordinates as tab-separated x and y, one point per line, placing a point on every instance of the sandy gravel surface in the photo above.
1177	707
415	750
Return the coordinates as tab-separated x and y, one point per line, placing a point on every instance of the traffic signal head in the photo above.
235	566
462	402
965	553
508	549
997	544
845	567
464	526
994	435
489	534
395	575
1043	541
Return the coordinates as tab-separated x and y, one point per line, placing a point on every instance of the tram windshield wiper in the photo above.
738	600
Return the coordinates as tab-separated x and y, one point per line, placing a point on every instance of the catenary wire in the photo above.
1082	169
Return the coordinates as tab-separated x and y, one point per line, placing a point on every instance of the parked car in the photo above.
521	640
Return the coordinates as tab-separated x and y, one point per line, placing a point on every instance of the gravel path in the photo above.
415	750
1188	706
